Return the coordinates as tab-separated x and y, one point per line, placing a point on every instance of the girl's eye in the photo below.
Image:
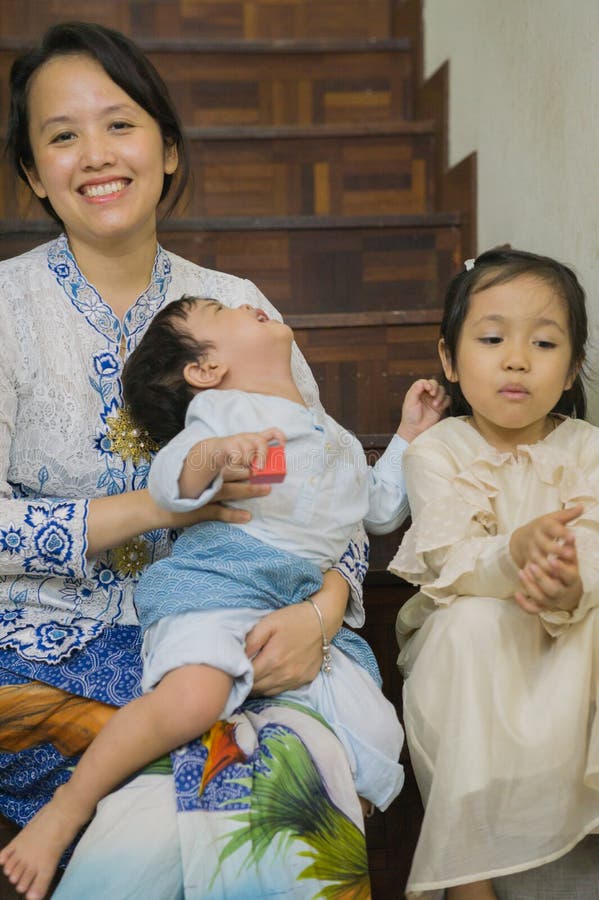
545	345
492	339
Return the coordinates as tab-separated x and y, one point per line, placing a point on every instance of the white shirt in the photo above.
328	488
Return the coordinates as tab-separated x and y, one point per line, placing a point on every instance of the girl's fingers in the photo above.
540	587
563	572
526	604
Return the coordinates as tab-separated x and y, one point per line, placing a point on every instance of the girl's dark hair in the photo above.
126	65
499	266
155	391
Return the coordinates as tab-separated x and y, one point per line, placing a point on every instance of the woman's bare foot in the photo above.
31	858
477	890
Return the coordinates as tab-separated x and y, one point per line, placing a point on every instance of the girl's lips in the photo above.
514	391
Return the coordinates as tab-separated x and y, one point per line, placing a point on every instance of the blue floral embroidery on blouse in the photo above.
50	543
12	539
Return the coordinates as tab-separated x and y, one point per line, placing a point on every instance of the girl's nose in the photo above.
516	360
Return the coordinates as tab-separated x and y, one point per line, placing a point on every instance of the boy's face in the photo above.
240	335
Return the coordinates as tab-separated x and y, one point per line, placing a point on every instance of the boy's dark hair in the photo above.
125	64
154	390
499	266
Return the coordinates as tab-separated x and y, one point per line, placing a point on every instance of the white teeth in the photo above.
101	190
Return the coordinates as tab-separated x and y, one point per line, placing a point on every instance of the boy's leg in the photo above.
185	703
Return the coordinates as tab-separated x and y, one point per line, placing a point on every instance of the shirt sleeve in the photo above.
387	497
167	465
38	535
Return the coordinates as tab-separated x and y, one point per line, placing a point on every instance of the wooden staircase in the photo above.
320	165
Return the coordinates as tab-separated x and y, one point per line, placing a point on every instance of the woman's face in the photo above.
99	158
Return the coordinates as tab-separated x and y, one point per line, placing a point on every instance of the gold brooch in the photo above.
129	440
131	558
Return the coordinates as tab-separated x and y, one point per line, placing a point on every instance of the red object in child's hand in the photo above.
274	469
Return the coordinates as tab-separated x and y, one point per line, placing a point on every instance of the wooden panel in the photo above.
363	373
336	175
277	84
314	270
333	269
232	19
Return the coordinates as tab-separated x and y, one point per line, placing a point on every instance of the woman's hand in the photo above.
216	511
116	519
286	645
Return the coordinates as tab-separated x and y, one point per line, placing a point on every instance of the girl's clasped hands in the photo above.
545	553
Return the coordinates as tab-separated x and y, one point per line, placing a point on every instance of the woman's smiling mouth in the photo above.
105	189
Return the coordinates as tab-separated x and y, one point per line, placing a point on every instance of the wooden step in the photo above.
326	170
363	367
232	19
311	264
275	83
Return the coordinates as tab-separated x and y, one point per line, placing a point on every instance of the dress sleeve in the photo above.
580	484
353	563
38	535
453	548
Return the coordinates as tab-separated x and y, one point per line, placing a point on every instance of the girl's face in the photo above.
98	157
513	360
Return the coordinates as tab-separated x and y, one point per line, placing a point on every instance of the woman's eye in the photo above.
62	137
120	126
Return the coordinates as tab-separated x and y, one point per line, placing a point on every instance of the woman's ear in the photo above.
205	374
34	182
448	368
171	158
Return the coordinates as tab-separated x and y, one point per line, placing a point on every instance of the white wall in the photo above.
524	93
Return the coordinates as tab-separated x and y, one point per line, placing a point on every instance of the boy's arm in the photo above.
423	406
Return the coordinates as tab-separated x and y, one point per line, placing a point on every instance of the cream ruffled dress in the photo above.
500	706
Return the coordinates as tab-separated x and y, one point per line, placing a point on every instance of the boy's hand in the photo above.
243	450
424	404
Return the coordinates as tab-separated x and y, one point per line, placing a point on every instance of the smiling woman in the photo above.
93	132
97	158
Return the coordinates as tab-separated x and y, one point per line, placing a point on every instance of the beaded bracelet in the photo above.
327	660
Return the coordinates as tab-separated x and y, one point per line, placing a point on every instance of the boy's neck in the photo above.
272	385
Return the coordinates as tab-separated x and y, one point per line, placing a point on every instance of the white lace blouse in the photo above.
63	438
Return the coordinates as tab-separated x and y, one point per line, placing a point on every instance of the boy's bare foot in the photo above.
31	858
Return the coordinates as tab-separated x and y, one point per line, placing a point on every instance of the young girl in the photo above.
500	647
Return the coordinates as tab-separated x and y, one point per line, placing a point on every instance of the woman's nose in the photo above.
96	153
